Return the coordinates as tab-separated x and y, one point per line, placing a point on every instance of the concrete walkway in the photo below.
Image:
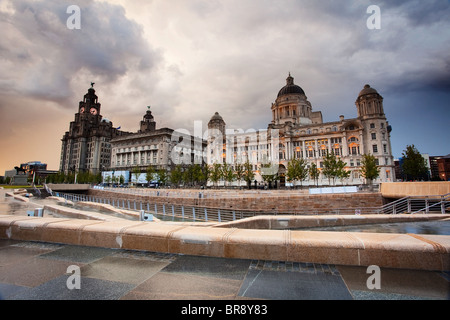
39	271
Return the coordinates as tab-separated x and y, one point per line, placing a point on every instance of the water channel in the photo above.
10	206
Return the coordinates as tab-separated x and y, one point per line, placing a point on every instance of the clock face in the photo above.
82	110
93	111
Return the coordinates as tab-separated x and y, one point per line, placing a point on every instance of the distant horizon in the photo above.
188	59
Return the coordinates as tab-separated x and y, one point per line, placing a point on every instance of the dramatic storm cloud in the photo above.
191	58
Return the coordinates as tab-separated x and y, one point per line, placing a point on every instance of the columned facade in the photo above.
298	131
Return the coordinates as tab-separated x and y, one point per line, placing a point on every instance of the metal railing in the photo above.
168	211
414	205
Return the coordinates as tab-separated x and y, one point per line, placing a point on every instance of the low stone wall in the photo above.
282	203
319	221
405	251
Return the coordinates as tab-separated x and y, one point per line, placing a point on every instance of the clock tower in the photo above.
86	146
90	104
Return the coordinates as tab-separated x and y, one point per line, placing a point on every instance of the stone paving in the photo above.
39	271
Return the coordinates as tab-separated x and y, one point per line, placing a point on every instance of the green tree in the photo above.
239	172
149	172
297	170
197	174
228	173
341	173
137	173
205	173
369	169
314	173
269	173
414	166
162	177
176	176
330	167
249	175
188	175
215	173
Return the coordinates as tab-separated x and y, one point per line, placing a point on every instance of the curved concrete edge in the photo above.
71	213
405	251
318	221
17	196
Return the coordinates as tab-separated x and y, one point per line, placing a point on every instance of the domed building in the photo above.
298	131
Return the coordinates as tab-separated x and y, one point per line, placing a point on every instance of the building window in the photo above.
375	148
385	148
374	136
372	126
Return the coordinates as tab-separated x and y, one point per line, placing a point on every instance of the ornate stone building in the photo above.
159	148
297	131
86	146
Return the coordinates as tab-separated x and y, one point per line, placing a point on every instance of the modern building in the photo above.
298	131
441	166
86	146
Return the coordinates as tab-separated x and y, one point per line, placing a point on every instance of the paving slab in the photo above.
185	286
275	285
397	284
207	266
78	254
127	270
91	289
33	271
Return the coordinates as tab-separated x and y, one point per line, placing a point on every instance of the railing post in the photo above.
234	215
218	215
193	212
427	209
442	205
182	212
206	214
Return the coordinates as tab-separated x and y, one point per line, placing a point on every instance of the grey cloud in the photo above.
43	56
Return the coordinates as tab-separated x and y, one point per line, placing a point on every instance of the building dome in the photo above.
367	90
217	116
290	88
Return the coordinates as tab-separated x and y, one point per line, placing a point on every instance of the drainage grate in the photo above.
289	266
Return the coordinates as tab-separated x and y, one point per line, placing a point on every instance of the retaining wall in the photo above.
288	203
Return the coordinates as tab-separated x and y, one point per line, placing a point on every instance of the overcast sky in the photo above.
188	59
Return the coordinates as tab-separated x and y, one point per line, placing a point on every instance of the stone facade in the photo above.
296	131
158	148
86	146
